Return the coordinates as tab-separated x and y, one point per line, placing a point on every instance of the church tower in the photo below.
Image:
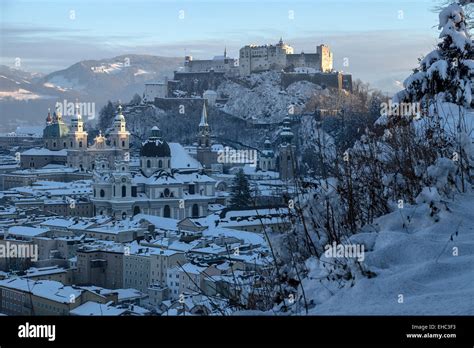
120	137
287	156
205	155
267	156
77	133
204	137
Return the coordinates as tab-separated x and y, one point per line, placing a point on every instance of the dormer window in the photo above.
167	192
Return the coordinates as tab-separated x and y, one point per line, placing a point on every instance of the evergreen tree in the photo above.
240	194
445	73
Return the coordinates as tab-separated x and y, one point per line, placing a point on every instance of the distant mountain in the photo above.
23	95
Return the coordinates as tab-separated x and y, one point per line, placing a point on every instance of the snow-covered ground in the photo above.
413	255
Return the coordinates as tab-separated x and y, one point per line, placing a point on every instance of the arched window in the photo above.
195	211
54	144
80	144
123	143
148	163
167	211
167	192
124	191
64	144
102	194
160	164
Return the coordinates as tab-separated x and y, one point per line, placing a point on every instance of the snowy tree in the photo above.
445	73
240	195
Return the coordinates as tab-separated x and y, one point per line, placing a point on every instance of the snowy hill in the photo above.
27	96
260	97
413	254
113	78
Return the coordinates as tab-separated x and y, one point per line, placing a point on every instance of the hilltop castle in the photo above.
253	58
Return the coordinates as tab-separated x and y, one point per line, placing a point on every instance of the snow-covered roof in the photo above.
97	309
158	221
41	151
26	231
181	159
49	289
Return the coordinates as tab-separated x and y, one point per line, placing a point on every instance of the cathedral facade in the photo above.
113	148
164	185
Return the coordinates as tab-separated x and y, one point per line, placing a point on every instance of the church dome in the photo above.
155	146
120	117
56	130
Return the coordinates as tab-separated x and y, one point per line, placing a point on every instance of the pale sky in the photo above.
381	39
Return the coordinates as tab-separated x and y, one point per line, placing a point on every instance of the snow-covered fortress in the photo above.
253	58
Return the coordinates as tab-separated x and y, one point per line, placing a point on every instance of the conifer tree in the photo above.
240	194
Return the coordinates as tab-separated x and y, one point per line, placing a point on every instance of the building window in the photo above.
191	189
80	144
195	211
160	164
123	143
167	192
167	211
148	163
102	194
124	191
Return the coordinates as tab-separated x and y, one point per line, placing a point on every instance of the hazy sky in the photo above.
381	39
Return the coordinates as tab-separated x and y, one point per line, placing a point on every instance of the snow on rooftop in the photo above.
97	309
26	231
180	158
48	289
158	221
41	151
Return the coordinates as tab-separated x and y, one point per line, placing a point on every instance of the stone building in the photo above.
168	184
224	64
115	147
68	145
253	58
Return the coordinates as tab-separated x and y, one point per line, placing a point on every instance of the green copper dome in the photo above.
55	130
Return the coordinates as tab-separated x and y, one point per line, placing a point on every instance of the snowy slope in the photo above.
261	97
412	255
